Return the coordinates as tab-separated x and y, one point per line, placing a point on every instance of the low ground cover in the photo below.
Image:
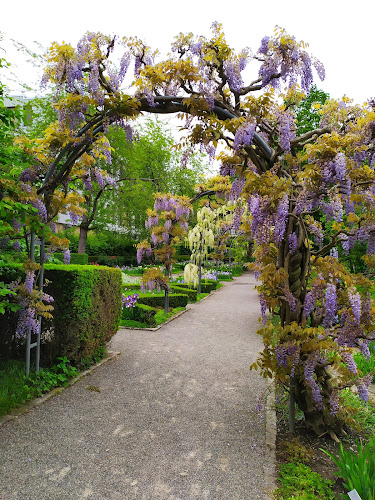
16	389
304	468
305	448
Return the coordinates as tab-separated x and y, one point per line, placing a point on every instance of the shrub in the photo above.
206	286
237	270
87	302
191	293
132	286
113	260
175	300
75	258
141	313
103	243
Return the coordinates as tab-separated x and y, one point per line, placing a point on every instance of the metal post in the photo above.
40	285
36	344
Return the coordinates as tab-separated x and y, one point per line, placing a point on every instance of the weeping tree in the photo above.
168	225
200	239
307	193
210	232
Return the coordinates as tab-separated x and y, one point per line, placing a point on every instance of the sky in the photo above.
339	34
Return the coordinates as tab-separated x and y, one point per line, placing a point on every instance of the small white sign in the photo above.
353	495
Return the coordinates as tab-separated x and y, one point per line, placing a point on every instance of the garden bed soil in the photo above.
319	461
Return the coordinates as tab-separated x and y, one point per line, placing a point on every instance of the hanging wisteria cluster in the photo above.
168	224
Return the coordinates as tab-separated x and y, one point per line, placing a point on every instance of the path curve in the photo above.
175	417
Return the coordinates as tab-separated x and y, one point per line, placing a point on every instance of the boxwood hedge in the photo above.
87	313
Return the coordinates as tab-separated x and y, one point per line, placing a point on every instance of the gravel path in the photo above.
172	418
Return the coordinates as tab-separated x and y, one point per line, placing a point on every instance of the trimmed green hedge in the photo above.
113	260
75	258
142	313
190	292
131	286
175	300
206	286
182	258
87	302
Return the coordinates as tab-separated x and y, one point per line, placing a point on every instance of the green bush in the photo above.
237	270
191	293
175	300
103	243
182	258
141	313
113	260
87	312
206	286
75	258
132	286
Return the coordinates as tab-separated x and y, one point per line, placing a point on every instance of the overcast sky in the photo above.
339	33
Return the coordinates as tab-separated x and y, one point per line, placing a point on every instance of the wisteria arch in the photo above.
307	194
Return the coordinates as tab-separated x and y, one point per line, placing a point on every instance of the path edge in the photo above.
270	441
25	408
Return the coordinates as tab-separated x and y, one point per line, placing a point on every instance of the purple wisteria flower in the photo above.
27	322
365	351
237	188
282	215
334	402
292	240
334	253
29	281
281	355
99	177
232	71
355	303
330	317
66	256
87	182
340	167
309	371
16	246
263	308
42	211
371	243
287	132
348	359
73	218
244	135
311	297
363	388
